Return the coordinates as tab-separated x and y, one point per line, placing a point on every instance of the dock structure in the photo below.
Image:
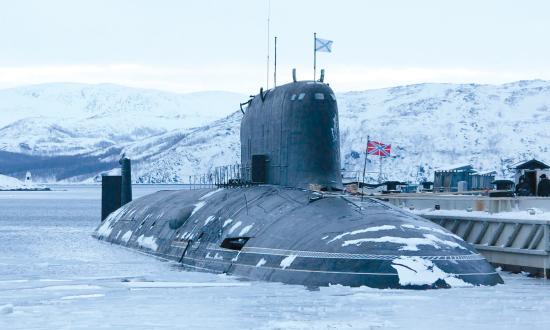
512	233
459	202
513	244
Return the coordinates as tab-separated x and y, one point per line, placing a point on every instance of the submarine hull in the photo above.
297	236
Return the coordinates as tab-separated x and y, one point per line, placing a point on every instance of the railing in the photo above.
226	176
237	175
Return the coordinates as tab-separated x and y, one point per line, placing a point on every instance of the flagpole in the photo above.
365	167
314	55
380	173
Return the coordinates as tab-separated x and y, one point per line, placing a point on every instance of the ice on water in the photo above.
53	275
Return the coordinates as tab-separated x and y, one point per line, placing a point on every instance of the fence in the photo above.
237	175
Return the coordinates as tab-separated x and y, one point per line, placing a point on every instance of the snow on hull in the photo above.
408	243
147	242
416	271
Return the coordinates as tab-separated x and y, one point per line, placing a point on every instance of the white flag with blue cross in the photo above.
323	45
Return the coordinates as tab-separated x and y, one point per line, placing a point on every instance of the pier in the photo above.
512	233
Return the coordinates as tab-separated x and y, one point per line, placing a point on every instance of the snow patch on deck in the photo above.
198	206
286	262
245	230
234	227
115	215
261	262
209	219
126	237
210	194
147	242
361	231
106	227
418	271
410	243
226	222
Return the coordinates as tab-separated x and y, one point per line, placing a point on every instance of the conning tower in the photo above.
290	136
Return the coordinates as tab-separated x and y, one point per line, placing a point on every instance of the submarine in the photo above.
288	219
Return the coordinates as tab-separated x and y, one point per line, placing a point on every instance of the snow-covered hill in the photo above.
73	119
174	156
428	125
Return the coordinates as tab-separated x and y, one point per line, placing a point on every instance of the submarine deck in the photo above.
297	236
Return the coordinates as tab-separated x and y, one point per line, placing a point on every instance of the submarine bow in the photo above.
280	230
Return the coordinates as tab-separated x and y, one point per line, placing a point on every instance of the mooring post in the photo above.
126	186
110	194
547	238
547	249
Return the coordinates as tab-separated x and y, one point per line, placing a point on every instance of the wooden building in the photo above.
531	170
462	178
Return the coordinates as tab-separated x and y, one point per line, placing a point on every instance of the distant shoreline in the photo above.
27	189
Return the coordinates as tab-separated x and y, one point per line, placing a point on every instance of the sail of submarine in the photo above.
281	231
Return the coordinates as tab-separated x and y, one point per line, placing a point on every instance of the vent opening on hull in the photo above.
234	243
181	218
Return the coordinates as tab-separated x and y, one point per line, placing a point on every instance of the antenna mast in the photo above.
275	62
314	56
268	18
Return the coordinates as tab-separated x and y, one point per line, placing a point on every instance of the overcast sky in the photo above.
187	46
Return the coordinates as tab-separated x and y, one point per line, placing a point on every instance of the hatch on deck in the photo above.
234	243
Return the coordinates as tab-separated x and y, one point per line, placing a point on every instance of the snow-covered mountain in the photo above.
174	156
437	125
171	136
74	119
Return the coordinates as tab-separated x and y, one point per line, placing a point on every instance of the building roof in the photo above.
532	164
460	167
499	181
485	173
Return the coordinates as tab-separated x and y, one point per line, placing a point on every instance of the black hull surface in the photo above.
297	236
